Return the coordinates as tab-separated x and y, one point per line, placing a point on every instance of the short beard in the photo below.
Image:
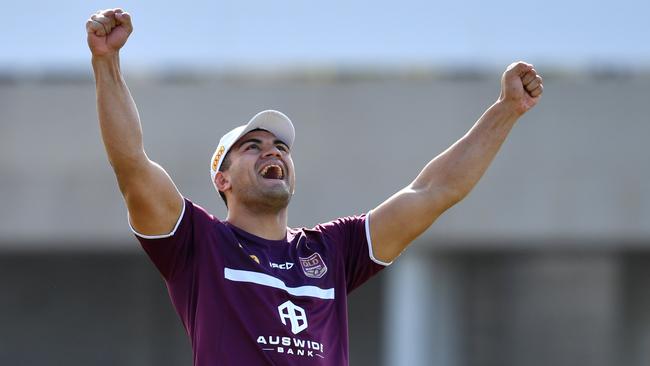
270	201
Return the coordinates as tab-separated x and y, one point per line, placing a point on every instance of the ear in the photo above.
223	181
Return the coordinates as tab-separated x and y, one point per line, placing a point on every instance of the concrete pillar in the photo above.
422	317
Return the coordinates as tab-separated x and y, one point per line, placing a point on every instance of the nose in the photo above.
272	151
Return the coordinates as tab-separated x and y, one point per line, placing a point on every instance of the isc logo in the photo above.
285	265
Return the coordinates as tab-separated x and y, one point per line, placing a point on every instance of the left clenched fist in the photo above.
521	87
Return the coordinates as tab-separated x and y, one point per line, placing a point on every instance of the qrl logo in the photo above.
295	314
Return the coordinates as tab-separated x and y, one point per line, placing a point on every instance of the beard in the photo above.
264	199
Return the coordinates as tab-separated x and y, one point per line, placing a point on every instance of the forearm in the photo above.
118	116
450	176
151	197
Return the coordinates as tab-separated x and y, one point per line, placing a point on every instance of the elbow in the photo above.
454	196
444	197
449	197
124	163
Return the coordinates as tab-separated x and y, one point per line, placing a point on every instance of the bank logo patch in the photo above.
313	266
295	315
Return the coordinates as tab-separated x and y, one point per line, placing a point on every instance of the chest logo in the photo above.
295	315
285	265
313	266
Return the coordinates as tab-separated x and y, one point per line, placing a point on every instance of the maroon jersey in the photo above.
245	300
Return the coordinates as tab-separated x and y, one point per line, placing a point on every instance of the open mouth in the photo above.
273	171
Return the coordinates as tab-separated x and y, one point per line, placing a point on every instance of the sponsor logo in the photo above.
313	266
285	265
291	346
295	315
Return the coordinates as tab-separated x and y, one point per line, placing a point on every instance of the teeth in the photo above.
266	169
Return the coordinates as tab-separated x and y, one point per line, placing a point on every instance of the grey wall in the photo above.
86	309
485	307
576	166
546	262
106	309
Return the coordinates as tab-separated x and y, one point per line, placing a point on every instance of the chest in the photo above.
301	262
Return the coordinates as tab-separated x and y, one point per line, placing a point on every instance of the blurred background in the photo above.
547	262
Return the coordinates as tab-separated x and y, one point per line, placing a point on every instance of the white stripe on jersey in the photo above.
266	280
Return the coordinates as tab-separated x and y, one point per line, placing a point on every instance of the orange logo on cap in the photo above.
217	157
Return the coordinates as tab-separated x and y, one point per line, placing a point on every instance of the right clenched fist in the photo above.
108	31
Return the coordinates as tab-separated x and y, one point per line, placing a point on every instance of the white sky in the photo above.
51	34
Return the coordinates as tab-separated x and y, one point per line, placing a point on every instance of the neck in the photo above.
270	226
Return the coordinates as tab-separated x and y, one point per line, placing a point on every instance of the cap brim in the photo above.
273	121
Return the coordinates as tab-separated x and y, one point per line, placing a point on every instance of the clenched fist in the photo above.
108	31
521	87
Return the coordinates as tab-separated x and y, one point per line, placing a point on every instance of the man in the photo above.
249	290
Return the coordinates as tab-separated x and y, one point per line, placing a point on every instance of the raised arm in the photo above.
450	176
153	202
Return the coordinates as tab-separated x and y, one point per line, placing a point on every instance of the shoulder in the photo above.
198	210
341	224
199	216
341	229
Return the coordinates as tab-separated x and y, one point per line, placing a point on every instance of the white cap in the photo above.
275	122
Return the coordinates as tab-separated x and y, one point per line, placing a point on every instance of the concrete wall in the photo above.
86	309
546	262
107	309
576	166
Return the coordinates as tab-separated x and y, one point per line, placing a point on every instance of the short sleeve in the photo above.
171	253
351	238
